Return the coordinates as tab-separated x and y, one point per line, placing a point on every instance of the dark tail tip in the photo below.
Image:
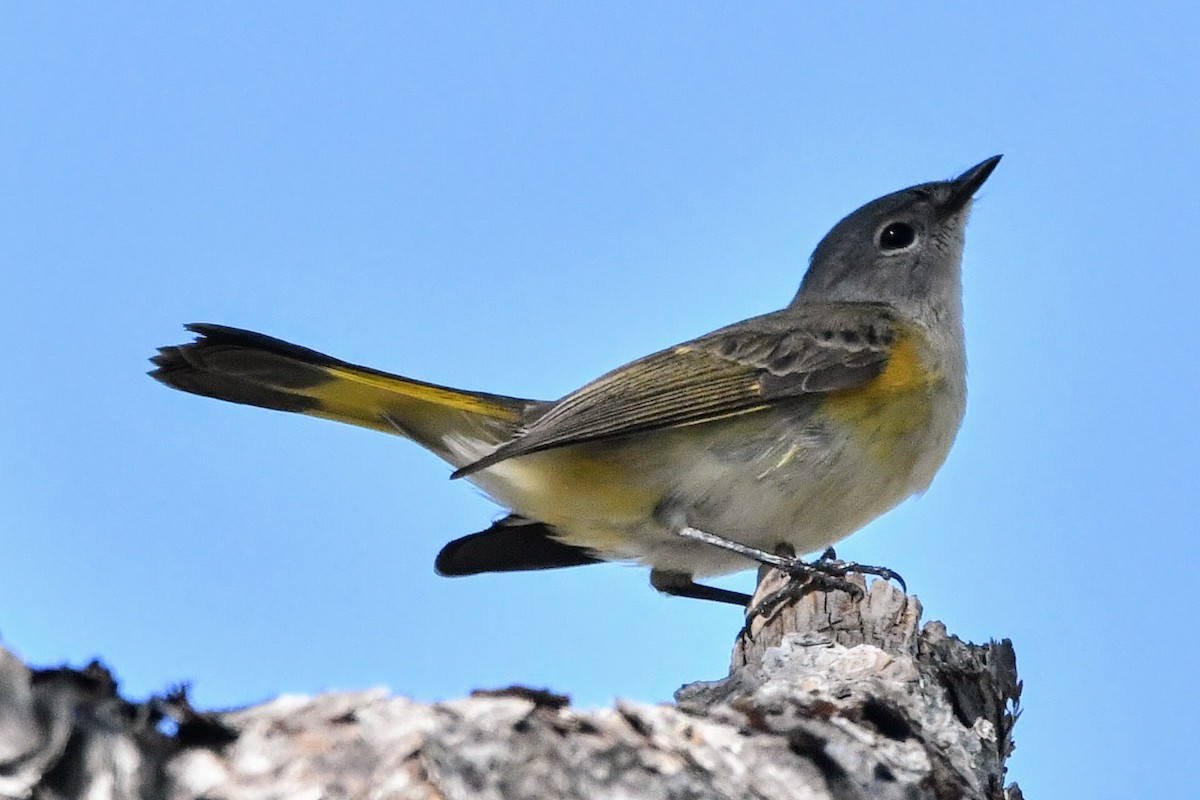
513	544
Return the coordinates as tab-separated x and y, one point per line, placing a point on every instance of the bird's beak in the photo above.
963	187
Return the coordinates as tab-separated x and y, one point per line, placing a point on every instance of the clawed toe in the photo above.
826	574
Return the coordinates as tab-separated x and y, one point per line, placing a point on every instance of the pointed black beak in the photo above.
965	185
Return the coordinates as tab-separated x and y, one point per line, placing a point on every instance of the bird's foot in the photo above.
826	574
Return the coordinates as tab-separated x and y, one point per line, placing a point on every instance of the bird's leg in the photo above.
679	584
817	576
827	573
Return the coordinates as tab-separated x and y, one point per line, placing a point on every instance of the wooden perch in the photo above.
830	698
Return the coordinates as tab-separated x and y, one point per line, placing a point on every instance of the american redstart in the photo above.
781	433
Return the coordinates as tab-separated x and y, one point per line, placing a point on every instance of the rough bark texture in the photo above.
829	698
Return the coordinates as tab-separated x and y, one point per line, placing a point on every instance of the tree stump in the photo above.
830	697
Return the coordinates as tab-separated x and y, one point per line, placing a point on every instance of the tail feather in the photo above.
245	367
513	544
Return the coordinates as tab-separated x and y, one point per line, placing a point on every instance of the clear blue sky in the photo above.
516	198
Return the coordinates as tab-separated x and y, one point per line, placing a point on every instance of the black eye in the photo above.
896	236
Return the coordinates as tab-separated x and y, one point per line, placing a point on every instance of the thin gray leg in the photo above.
681	585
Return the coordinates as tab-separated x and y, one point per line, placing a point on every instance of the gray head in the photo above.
904	248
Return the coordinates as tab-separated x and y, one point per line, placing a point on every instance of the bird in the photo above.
774	436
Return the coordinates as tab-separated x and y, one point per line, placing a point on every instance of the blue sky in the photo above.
519	197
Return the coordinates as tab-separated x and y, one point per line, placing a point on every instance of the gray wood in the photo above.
828	698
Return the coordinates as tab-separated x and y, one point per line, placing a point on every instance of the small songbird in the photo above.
782	433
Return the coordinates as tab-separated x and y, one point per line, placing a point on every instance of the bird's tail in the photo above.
245	367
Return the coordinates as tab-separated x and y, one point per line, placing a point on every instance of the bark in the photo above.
829	698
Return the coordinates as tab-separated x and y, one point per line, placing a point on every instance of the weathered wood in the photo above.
829	698
891	708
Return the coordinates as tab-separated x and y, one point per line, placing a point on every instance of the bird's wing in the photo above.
746	367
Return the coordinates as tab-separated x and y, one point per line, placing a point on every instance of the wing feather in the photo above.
740	369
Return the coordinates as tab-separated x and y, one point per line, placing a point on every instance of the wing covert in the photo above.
740	369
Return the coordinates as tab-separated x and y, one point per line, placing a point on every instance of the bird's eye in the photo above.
896	236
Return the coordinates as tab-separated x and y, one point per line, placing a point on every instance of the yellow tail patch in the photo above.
367	398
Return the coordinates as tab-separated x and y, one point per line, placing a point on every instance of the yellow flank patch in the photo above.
896	402
569	486
905	372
